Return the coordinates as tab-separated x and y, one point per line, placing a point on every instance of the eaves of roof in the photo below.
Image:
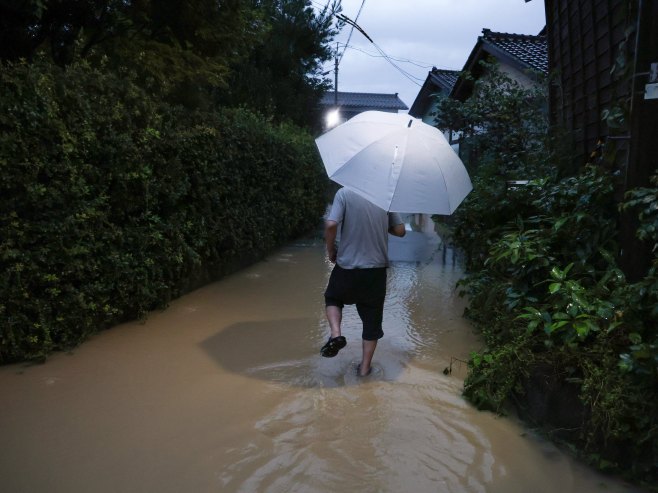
526	53
363	100
437	80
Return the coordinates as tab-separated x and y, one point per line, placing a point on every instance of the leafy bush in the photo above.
549	297
568	339
112	203
503	125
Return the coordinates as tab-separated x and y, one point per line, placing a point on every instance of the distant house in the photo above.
350	104
438	84
520	56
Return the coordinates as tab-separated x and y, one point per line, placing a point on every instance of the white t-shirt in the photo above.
363	230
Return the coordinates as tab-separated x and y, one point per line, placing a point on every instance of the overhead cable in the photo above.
406	74
353	25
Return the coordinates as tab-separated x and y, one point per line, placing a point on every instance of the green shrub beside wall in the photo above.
569	340
113	203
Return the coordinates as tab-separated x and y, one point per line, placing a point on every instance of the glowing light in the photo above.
332	118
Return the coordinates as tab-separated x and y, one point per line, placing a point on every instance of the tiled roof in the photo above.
521	51
444	78
531	51
438	80
365	100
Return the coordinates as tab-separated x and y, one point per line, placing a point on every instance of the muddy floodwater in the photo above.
225	391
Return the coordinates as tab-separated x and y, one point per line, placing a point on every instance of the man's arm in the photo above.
330	232
397	230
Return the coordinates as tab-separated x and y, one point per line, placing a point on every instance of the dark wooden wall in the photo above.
583	39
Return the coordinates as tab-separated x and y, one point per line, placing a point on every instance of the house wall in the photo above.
584	39
517	75
430	113
429	116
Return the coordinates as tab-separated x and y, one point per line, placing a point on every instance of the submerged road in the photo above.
225	391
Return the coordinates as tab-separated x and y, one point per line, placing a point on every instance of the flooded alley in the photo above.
225	391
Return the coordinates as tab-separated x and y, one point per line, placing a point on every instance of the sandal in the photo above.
333	345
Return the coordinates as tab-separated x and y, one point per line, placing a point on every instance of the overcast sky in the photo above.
427	33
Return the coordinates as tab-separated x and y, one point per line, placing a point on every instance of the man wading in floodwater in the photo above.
359	276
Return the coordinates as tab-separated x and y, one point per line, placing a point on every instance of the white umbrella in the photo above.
397	162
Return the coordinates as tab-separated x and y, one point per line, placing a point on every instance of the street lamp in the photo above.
333	118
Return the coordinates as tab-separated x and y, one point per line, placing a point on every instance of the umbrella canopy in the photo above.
397	162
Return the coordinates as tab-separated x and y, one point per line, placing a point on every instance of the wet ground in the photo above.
225	391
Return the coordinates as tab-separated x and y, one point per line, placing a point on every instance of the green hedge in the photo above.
113	203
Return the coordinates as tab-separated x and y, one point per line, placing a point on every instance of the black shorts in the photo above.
365	288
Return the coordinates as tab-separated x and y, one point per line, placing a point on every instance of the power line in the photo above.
352	30
354	25
417	63
412	78
349	21
389	59
319	5
406	74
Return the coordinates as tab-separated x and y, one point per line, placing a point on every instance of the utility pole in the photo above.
349	21
336	78
333	117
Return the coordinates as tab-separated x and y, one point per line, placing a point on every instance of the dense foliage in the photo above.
265	54
192	40
130	166
113	202
568	339
282	75
484	119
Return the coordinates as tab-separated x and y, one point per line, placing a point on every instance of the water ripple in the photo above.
341	439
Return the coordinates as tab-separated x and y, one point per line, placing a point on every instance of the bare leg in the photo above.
334	317
368	352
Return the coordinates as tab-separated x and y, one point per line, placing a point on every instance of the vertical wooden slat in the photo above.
584	38
567	67
636	255
582	33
